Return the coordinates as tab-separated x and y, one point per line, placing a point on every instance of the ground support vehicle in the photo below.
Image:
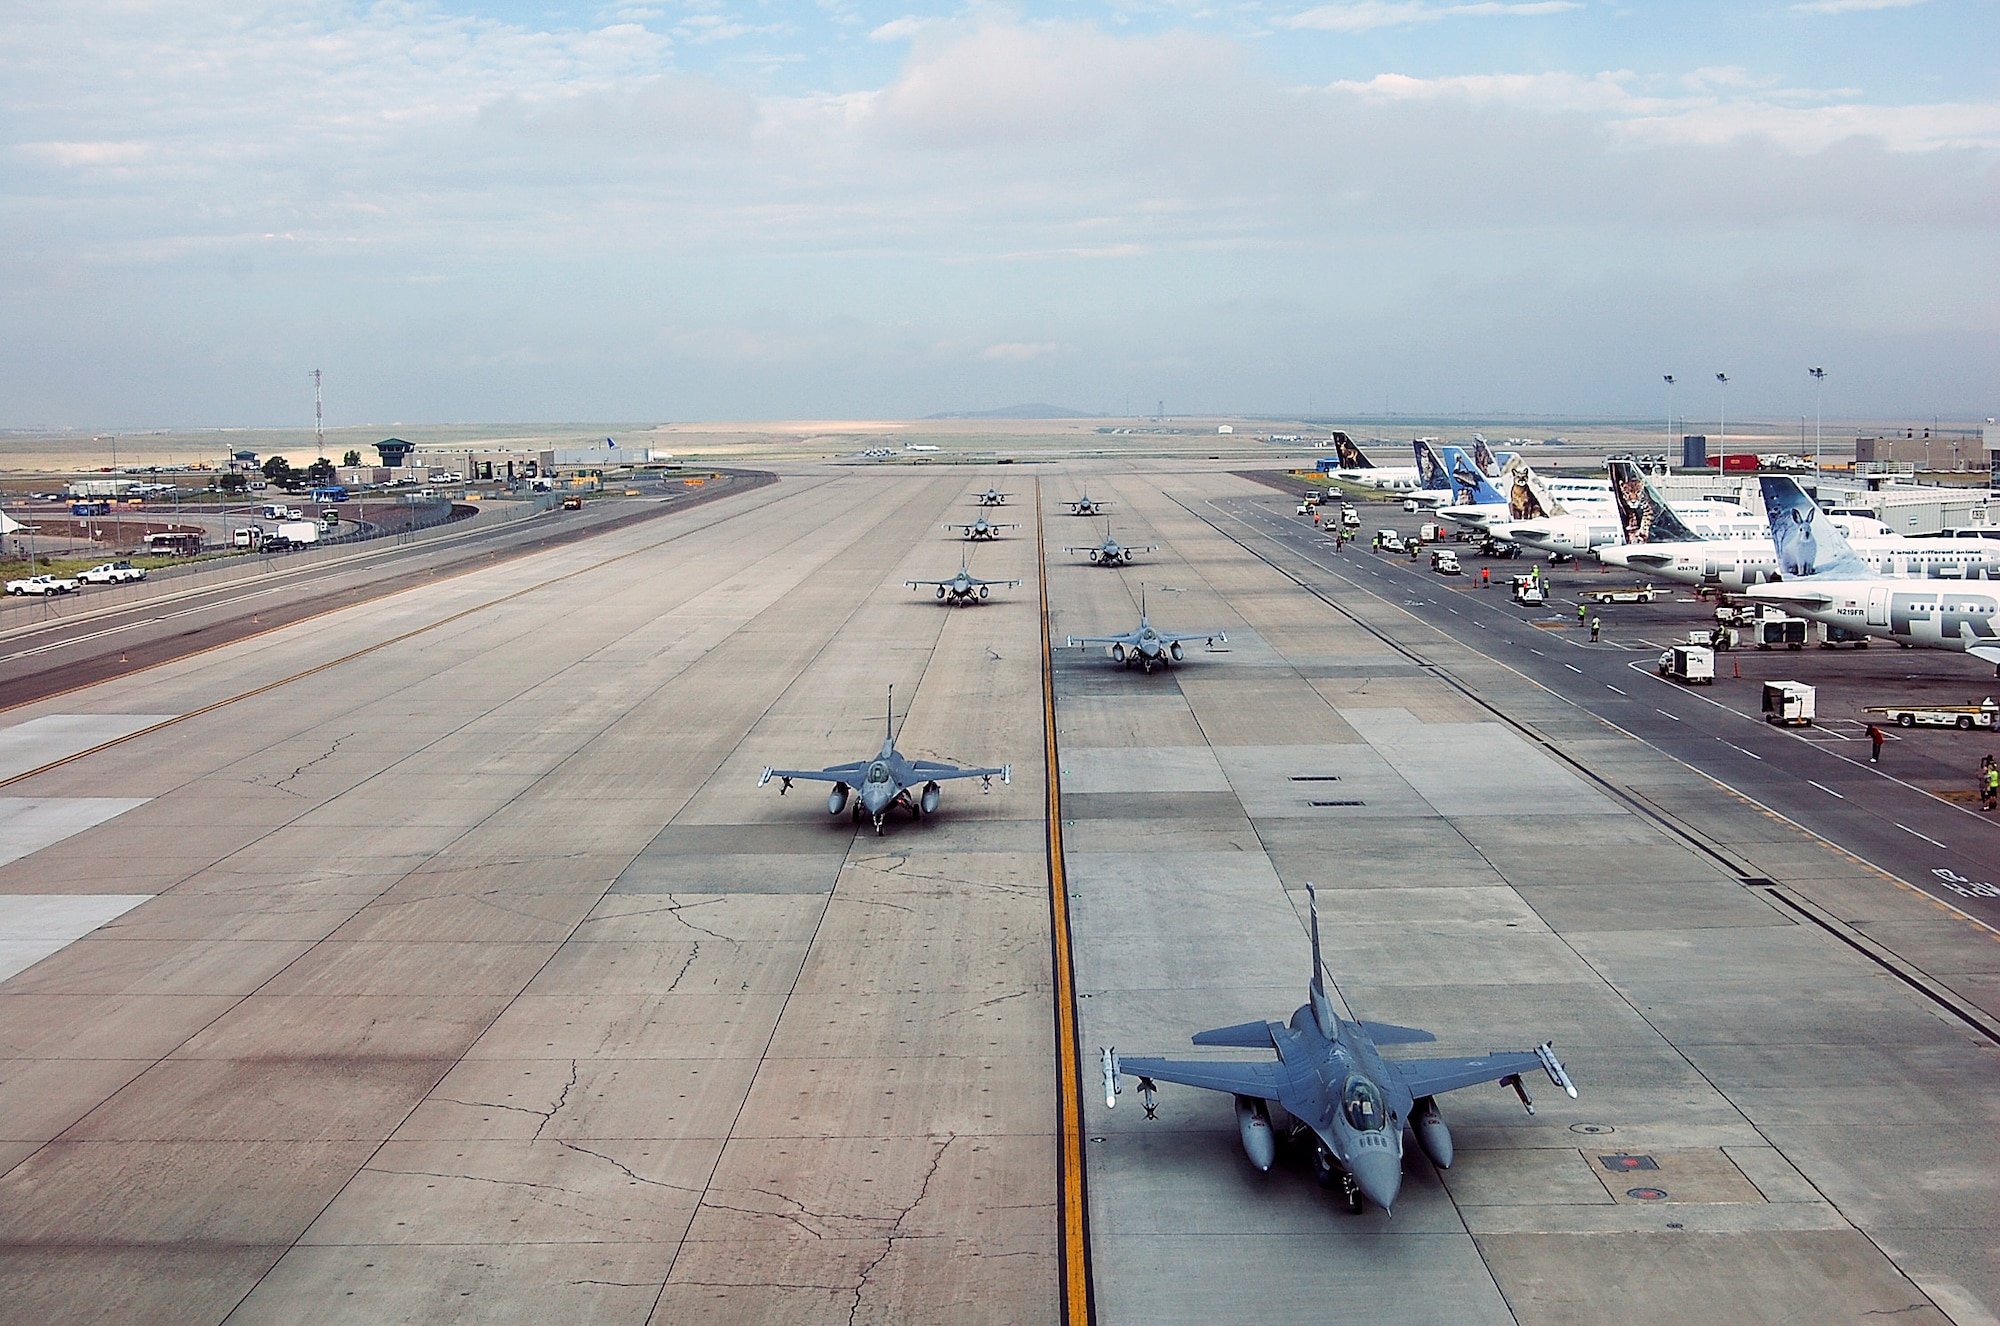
1790	703
1624	594
1832	637
1390	540
1964	717
1691	664
1445	562
1530	590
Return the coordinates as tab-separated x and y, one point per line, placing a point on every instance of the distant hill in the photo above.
1017	412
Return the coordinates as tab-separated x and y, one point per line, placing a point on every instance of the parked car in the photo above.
112	573
42	586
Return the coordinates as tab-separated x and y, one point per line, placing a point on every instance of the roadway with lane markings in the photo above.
1945	850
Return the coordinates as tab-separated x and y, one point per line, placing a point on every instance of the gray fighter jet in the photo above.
1149	646
886	781
1330	1086
982	528
963	588
991	497
1086	505
1111	552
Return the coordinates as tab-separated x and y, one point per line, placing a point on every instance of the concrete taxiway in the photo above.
438	959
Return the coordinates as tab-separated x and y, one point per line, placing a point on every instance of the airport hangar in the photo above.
438	959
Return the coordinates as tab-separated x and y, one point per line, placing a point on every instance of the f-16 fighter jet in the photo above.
1086	505
1330	1086
982	528
963	588
1148	646
886	781
991	497
1111	552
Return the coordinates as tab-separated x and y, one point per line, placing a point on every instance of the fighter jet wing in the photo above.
1173	637
933	771
1427	1077
1078	641
852	774
1241	1079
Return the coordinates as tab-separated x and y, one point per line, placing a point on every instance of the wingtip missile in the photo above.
765	777
1112	1086
1559	1075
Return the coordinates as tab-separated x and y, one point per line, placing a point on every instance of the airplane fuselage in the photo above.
1737	564
1931	615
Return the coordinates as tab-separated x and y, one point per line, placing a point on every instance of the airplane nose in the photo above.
876	797
1379	1175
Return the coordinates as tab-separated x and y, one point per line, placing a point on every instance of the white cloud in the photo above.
899	29
1367	15
1851	6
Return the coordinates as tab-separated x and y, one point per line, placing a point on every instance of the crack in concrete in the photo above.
561	1100
889	1241
974	1008
476	1178
692	955
331	751
622	1168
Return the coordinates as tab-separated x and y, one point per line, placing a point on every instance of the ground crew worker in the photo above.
1989	784
1596	623
1376	545
1581	612
1875	737
1485	576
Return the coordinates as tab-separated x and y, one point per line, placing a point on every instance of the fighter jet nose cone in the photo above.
1379	1176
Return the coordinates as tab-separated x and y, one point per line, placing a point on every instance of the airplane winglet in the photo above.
765	777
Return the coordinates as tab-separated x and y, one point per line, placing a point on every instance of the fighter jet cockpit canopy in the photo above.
878	772
1361	1100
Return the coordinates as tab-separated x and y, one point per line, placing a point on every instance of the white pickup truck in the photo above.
42	586
112	573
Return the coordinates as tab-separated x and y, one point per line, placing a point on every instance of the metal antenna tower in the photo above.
319	418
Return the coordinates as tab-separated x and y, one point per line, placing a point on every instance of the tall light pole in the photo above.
1819	379
1723	466
1670	417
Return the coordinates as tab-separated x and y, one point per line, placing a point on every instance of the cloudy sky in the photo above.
484	210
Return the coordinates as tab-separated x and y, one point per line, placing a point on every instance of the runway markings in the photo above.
1664	714
1571	666
1609	687
1077	1308
1926	837
1733	746
1824	788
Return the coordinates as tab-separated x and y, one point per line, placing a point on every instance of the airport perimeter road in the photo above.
1810	776
439	959
48	646
1772	1127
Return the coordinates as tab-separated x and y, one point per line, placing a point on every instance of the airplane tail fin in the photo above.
1322	1006
1482	456
1528	498
1350	455
1431	473
1808	543
1643	515
1468	484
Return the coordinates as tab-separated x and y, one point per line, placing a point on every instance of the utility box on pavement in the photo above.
1789	703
